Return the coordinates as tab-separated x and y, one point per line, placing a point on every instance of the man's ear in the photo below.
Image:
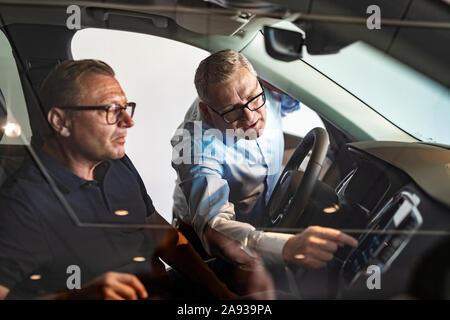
205	110
59	121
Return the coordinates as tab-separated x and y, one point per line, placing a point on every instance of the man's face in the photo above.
92	137
240	89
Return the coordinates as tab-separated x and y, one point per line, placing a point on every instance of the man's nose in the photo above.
125	120
248	114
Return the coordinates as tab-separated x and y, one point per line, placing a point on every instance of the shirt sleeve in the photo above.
268	245
207	195
288	104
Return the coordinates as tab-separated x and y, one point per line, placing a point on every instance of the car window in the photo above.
410	100
157	74
17	129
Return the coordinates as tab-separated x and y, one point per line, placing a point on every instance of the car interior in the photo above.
361	173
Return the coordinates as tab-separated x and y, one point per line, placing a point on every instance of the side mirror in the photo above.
284	45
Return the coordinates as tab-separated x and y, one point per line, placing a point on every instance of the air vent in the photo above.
340	189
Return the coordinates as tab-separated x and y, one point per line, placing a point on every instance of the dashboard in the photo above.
403	218
385	203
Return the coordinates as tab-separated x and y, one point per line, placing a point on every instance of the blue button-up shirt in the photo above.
221	180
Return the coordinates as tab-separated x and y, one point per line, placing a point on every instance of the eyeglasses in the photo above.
235	114
113	111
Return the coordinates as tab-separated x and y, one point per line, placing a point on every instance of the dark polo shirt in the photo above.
38	236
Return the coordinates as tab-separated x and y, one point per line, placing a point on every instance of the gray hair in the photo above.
219	68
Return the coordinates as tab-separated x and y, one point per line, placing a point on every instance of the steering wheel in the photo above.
293	190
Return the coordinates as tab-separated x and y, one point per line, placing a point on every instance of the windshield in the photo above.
408	99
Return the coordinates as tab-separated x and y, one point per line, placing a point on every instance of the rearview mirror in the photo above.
284	45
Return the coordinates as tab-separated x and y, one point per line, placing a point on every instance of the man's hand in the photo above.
315	246
111	286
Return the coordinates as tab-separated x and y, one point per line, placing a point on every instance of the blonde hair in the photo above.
219	68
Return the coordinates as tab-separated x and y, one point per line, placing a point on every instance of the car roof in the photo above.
215	24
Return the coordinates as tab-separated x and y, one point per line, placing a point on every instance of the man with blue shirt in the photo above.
80	204
228	156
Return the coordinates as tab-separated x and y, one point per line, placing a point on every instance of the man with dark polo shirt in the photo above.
78	207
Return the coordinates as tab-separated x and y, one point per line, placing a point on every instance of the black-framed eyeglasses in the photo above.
255	103
113	111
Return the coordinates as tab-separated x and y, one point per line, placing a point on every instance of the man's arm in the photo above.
312	248
208	199
207	193
175	250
